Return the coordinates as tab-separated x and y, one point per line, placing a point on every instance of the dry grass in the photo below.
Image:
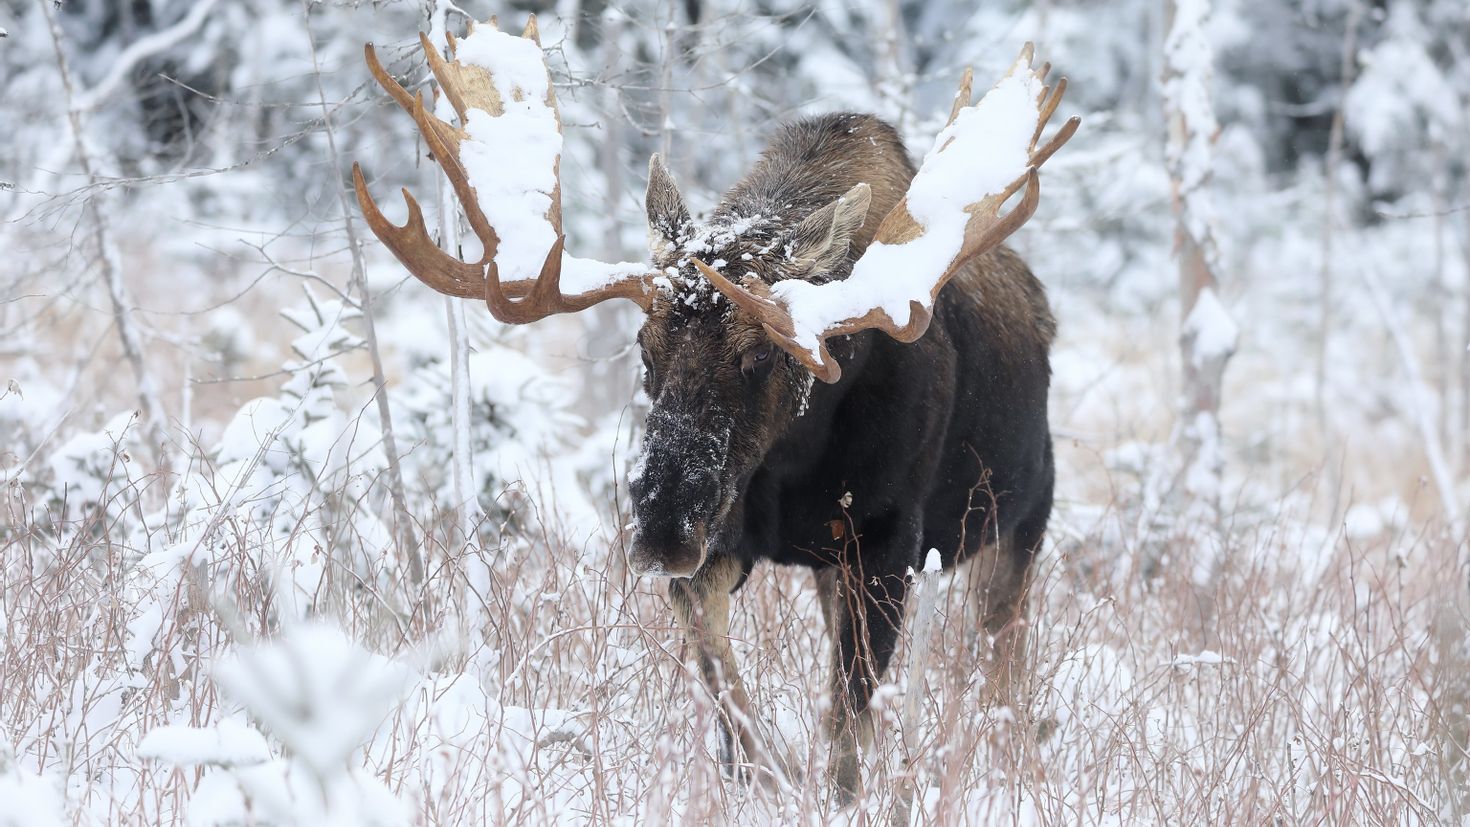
1336	692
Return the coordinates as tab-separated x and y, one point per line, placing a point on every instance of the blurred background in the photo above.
194	320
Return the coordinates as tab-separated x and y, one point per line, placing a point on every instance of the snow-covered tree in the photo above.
1207	333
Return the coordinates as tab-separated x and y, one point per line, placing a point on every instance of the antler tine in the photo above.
1069	128
385	80
442	140
411	244
445	75
542	300
962	97
758	304
1051	98
469	87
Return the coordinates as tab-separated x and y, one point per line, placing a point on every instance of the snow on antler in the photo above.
950	215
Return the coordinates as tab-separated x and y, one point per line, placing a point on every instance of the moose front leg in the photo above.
863	606
702	605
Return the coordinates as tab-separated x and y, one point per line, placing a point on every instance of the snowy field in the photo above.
239	586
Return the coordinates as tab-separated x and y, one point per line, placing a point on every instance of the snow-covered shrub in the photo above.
294	476
520	420
91	469
320	695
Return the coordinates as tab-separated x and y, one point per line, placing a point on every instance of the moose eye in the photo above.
757	361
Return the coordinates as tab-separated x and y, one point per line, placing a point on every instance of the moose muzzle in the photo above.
676	495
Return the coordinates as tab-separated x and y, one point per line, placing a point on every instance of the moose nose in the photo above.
648	558
678	561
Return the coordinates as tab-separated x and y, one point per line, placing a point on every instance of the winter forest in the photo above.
288	538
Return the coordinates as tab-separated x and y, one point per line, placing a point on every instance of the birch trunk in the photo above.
466	505
1207	333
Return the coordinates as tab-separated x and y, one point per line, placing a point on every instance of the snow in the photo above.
1209	328
583	275
227	744
515	63
511	160
980	154
932	563
26	800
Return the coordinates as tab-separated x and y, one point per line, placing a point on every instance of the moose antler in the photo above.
503	163
950	215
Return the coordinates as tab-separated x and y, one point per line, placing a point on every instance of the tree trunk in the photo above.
1207	333
466	503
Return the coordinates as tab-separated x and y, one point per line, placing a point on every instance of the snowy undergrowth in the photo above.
243	669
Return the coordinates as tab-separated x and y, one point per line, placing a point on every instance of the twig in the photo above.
404	524
1438	467
141	50
108	257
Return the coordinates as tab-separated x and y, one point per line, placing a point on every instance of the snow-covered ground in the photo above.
211	611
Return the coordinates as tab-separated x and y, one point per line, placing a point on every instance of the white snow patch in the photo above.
26	799
228	744
982	152
932	564
1210	329
511	161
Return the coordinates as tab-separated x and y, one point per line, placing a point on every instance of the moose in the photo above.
928	432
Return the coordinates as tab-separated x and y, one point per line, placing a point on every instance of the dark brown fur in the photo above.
940	444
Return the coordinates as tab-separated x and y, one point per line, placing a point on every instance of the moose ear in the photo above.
668	218
819	243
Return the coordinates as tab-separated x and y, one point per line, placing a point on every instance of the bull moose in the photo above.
745	456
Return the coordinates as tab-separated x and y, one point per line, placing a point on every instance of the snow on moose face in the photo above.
722	391
722	395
